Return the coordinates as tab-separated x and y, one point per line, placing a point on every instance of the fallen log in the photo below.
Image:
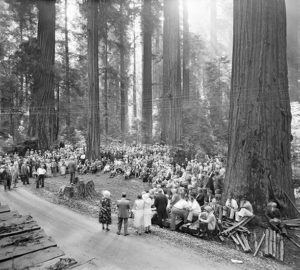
259	244
235	240
241	242
246	243
270	252
241	223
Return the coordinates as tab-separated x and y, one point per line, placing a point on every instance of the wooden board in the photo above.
25	227
33	259
4	209
24	243
8	215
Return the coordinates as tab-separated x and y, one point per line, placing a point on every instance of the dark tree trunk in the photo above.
42	111
147	74
134	74
186	53
171	109
67	63
259	159
293	11
93	143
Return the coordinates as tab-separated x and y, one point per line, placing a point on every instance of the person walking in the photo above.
123	214
105	210
41	172
138	209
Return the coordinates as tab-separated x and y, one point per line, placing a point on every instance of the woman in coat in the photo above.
138	210
105	210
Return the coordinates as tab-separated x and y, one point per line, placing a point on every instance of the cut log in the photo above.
30	260
246	243
234	239
255	240
259	244
241	242
84	189
278	246
26	243
68	192
274	244
4	209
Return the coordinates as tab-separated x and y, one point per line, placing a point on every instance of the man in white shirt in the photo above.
180	209
41	172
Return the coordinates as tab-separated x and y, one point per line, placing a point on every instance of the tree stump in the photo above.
82	189
66	191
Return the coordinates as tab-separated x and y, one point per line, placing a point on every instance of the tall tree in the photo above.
293	21
67	67
42	109
93	142
171	110
147	73
259	159
186	52
123	79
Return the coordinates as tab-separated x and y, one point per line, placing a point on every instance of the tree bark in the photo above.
42	111
259	159
293	11
186	53
171	108
147	73
93	143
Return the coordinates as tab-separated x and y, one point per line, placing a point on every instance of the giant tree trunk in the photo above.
93	143
171	107
147	74
293	11
67	79
123	80
259	159
186	53
42	111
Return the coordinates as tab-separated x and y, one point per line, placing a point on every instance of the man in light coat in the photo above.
123	214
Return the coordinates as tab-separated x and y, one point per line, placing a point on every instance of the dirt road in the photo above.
82	238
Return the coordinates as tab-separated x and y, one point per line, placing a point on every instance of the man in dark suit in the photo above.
161	203
123	215
72	169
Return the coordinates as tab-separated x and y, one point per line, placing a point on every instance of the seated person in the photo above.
194	209
246	209
107	168
179	210
273	213
207	223
230	207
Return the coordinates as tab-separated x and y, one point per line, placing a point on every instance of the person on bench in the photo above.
194	209
207	225
179	210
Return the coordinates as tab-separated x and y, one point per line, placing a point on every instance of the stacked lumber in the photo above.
23	244
274	245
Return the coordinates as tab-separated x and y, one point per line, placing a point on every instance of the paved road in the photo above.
81	237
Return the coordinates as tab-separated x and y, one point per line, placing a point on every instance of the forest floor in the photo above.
117	185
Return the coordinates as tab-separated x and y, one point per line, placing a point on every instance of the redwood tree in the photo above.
42	123
147	73
171	107
259	159
93	142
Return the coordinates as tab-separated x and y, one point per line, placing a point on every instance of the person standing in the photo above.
72	169
123	214
41	172
105	210
24	173
161	203
147	212
138	208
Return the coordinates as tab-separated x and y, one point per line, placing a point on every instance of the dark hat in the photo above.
123	194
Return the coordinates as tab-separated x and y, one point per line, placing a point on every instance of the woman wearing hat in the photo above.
105	210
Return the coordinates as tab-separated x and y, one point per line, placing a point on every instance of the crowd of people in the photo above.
178	187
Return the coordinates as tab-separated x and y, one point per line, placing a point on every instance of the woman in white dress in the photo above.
138	210
147	212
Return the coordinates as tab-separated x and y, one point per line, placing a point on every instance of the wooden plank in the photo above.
241	242
25	243
270	242
281	248
27	227
274	244
15	221
235	240
246	243
32	259
259	244
278	246
241	223
4	209
9	215
266	251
